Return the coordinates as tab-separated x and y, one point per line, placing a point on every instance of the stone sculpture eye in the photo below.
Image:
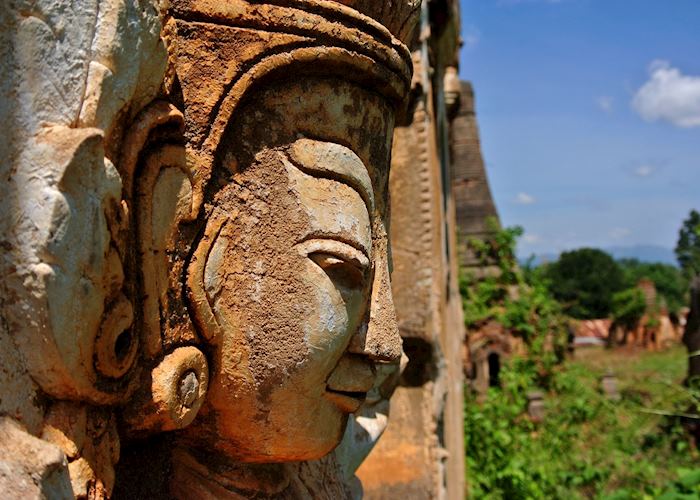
345	265
343	273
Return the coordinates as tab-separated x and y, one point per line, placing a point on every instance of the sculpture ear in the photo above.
159	187
165	201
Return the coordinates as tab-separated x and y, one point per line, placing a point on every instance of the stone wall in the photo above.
421	456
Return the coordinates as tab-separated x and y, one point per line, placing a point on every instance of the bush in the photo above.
525	308
671	285
587	446
584	282
628	307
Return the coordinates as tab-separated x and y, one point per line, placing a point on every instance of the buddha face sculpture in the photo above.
293	264
198	241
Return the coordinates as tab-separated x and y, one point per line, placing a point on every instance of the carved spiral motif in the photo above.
116	346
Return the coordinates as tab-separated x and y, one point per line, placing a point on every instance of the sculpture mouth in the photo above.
350	381
347	401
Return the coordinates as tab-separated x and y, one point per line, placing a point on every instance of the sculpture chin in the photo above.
297	447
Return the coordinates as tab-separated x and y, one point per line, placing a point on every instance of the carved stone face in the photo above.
295	271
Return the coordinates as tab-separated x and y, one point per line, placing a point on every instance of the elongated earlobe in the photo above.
178	386
164	198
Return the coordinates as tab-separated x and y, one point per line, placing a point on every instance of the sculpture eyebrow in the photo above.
333	161
335	245
317	236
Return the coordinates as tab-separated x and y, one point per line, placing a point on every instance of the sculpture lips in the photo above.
348	402
349	382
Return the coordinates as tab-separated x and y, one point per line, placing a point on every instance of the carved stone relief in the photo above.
196	292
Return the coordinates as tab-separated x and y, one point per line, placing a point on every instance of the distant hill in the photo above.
644	253
538	259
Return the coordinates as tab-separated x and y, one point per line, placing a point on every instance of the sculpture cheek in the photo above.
325	329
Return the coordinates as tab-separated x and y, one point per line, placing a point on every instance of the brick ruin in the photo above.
475	205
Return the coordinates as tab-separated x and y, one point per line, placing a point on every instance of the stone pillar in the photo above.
691	333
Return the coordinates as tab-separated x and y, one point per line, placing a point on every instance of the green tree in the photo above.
688	246
669	281
584	282
628	307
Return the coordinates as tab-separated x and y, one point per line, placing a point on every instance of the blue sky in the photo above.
589	113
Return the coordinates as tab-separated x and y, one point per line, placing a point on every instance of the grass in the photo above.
588	446
637	450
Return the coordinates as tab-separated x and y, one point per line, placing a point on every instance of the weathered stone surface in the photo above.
422	453
30	467
535	407
472	193
196	293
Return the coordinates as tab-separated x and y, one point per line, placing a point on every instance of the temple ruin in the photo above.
474	202
476	218
197	289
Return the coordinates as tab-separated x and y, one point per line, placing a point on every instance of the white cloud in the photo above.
619	233
644	170
531	238
605	103
472	37
669	95
525	199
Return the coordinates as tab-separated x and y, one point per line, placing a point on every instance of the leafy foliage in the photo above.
671	285
628	307
584	281
686	487
524	308
688	246
587	446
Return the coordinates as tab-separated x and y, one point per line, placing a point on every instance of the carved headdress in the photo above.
224	49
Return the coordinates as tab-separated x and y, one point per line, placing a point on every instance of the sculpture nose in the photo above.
379	339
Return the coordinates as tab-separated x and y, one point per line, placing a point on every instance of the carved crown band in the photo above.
224	49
